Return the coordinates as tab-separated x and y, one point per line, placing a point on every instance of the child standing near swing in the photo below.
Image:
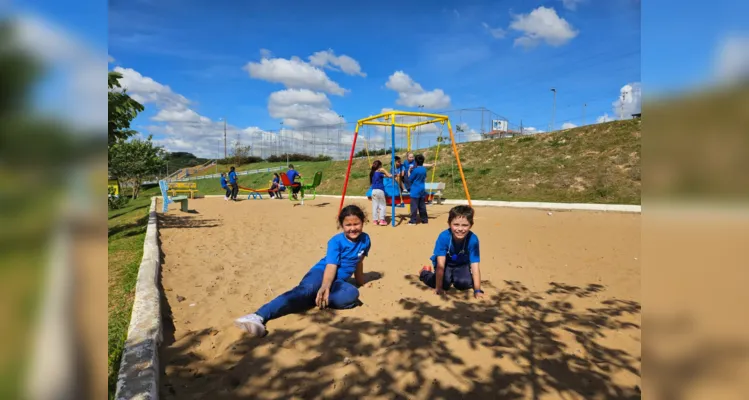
325	284
376	177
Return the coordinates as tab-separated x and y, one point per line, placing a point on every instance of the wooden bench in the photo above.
184	187
435	190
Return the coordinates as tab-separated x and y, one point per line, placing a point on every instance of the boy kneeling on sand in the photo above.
456	256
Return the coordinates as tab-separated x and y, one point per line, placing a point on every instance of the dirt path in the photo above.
561	319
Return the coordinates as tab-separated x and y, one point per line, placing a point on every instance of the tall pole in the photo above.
392	168
225	138
554	109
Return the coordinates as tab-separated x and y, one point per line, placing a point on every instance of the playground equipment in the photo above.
391	187
256	193
167	199
303	188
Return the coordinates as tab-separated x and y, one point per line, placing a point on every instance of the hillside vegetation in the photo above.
591	164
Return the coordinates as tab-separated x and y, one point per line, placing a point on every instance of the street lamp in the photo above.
554	109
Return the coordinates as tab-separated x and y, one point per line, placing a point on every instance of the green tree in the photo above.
122	110
133	160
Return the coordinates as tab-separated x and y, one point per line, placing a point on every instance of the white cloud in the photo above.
299	108
497	33
604	118
568	125
182	127
293	73
571	4
529	130
73	63
328	59
411	94
732	61
629	101
145	90
265	53
542	25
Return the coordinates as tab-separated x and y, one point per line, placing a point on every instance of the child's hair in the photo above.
291	166
419	159
232	168
276	174
223	174
377	164
350	210
397	158
461	211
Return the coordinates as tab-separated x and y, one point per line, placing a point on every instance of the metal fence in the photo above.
334	141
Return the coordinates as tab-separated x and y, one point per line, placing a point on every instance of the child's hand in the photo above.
478	295
438	291
322	297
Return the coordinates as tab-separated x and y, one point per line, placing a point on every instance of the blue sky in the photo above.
469	51
193	57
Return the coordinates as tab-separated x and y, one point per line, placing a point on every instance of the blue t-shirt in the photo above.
291	174
418	178
345	254
398	170
223	182
232	177
466	253
377	181
407	166
275	179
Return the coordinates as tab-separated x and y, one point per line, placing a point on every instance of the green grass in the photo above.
127	231
591	164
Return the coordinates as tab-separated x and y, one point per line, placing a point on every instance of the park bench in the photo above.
434	191
174	199
184	187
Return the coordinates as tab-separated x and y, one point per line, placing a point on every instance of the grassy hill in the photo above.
591	164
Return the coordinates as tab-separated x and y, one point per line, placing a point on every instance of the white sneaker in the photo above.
226	198
252	324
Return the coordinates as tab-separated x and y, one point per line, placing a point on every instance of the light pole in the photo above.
287	151
584	106
554	109
340	126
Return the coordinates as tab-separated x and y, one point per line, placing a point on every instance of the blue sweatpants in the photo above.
460	277
343	295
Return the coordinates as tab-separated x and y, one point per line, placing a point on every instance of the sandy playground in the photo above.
560	320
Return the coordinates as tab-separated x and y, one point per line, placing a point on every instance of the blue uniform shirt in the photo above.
407	165
345	254
418	178
232	177
377	181
223	182
291	174
466	253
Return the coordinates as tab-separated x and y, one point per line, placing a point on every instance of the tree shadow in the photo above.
533	344
167	221
140	222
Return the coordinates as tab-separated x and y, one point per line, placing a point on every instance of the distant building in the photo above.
637	116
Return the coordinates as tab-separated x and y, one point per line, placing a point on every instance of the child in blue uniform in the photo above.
456	256
325	284
417	192
234	184
225	186
376	178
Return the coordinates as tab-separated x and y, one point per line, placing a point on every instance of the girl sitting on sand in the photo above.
325	284
456	256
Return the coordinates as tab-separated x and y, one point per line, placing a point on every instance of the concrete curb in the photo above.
623	208
138	377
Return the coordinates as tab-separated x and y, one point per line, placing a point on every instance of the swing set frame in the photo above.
388	119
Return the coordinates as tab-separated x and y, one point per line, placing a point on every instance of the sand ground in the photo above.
561	317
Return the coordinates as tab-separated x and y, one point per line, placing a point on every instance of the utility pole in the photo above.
553	110
287	150
225	138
